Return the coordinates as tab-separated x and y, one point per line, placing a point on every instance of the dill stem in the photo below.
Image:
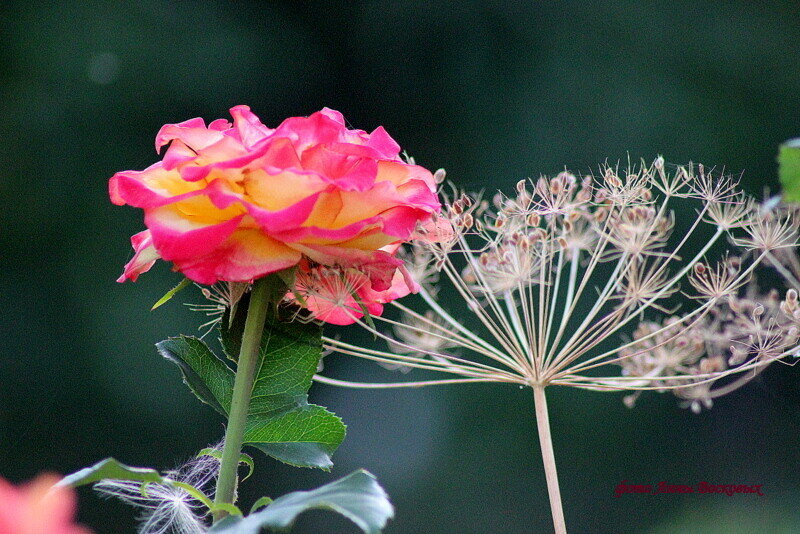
246	368
549	459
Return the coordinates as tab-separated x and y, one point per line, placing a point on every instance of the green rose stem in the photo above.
261	297
549	459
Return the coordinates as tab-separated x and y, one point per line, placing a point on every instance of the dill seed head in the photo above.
594	283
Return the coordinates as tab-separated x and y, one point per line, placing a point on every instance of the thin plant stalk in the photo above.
246	368
549	460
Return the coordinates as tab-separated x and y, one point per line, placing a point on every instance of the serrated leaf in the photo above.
110	469
789	169
357	496
206	375
281	422
306	436
290	353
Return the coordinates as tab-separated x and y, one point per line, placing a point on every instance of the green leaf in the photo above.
789	169
171	293
306	436
111	469
206	375
281	422
357	496
260	503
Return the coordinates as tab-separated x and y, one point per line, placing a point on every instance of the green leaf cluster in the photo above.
281	422
357	496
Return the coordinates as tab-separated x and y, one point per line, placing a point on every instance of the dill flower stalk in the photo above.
576	279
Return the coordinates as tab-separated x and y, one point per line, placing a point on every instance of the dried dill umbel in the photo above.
630	279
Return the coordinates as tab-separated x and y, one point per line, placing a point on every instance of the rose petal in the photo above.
193	133
145	255
382	142
178	238
249	127
151	187
245	255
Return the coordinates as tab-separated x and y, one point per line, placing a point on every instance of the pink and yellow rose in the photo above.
234	202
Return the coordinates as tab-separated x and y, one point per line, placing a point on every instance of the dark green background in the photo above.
493	92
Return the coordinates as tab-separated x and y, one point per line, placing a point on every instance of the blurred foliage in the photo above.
789	169
492	91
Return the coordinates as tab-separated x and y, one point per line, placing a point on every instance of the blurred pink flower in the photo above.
38	508
234	202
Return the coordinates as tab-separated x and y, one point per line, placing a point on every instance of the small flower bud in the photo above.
612	179
584	195
791	296
497	200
